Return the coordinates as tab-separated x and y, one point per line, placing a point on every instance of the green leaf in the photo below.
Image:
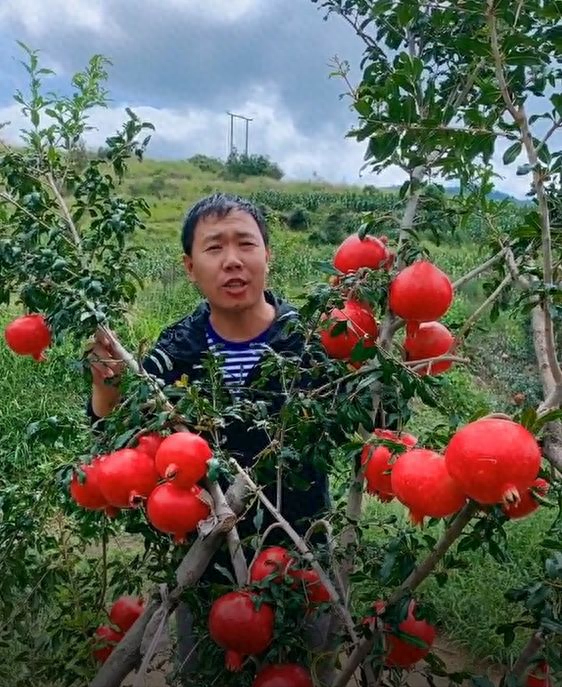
512	153
556	100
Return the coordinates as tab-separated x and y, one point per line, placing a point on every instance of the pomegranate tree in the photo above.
432	339
493	460
420	481
29	335
240	627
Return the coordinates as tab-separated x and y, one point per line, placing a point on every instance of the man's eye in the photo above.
213	248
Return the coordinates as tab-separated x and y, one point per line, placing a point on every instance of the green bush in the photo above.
298	219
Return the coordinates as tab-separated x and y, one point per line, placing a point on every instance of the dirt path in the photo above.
455	658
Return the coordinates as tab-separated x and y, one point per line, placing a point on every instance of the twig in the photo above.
478	270
64	208
415	364
237	556
476	314
327	527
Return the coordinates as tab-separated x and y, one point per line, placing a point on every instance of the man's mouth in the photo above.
235	283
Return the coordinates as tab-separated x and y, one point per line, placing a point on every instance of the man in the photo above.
226	256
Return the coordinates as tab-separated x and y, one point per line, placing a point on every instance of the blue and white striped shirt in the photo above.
237	358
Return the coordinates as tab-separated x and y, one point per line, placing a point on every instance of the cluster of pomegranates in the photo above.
243	625
420	294
122	616
491	460
163	471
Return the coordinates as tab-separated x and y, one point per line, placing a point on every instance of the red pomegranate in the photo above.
149	443
29	335
493	460
87	493
125	476
354	253
240	628
309	581
125	611
400	652
183	457
528	503
379	461
176	511
283	675
106	638
421	292
431	340
271	560
420	481
539	676
361	325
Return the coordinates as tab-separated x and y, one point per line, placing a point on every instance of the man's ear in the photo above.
188	266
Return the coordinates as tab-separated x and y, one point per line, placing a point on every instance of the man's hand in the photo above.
103	360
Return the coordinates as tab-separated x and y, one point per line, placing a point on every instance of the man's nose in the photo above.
232	259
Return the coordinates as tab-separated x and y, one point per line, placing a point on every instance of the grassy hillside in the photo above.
502	365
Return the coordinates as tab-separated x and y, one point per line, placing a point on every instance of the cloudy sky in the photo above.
182	64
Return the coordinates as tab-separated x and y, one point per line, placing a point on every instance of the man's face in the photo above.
228	261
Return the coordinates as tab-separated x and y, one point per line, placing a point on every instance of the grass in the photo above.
467	609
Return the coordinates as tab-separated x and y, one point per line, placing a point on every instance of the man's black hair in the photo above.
219	205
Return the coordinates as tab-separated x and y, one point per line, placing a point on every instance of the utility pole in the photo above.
247	120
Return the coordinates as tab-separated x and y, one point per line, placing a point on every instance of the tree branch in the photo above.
477	271
476	314
531	649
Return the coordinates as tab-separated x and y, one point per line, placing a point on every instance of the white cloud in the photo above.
36	16
326	154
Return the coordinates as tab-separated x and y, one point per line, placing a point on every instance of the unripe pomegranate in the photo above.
125	611
106	638
149	443
528	503
182	457
420	481
283	675
421	292
29	335
431	340
271	560
400	652
493	460
355	253
176	511
126	476
361	325
378	462
240	628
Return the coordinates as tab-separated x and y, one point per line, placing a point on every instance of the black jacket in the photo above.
179	351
